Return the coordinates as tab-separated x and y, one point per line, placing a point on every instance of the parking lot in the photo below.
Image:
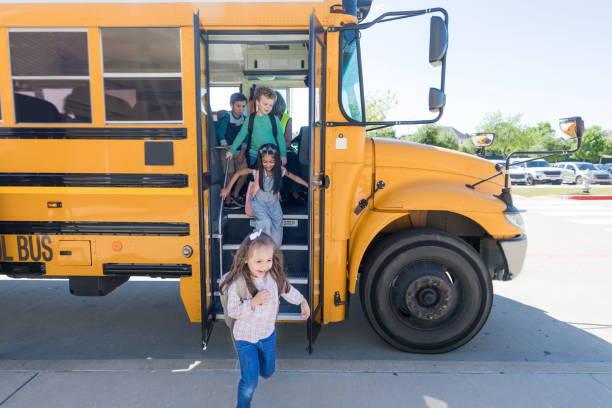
548	341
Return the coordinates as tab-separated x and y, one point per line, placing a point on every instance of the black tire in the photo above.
425	291
557	182
530	180
578	180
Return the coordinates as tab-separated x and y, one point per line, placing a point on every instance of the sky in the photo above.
543	60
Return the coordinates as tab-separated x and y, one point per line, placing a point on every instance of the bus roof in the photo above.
217	15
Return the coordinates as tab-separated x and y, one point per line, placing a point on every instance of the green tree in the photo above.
594	144
377	106
543	139
510	135
435	136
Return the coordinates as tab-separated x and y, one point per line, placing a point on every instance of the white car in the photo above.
539	171
517	174
575	172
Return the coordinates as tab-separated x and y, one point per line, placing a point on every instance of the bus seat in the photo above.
304	150
78	103
117	108
29	109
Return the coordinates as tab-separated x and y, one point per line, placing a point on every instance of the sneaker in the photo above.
236	202
231	205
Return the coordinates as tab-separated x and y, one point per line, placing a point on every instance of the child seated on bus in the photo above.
261	127
227	126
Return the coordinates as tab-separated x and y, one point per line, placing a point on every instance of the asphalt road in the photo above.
548	341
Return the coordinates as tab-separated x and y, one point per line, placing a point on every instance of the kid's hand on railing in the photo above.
305	309
228	155
224	193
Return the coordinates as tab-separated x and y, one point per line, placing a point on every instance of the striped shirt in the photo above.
253	325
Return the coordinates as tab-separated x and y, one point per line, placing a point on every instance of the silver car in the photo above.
538	171
575	172
517	174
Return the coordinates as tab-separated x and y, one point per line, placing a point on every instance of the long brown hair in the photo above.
241	268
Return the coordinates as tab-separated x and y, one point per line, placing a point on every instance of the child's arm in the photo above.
295	178
296	298
237	174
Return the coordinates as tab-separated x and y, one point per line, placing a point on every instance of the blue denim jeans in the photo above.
255	359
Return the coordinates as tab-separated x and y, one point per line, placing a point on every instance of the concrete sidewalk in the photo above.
304	383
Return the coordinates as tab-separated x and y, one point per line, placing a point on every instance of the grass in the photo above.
534	191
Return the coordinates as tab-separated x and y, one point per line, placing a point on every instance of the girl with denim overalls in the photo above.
265	203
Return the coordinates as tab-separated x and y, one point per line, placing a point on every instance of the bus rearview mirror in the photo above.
573	127
437	100
483	139
438	41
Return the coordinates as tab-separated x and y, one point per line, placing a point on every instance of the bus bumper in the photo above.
514	252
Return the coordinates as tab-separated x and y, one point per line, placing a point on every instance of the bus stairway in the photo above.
236	226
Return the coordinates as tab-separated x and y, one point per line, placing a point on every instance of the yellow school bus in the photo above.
110	168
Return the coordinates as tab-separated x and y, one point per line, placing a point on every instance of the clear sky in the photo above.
543	59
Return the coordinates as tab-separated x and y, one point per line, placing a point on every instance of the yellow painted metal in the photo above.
74	252
418	178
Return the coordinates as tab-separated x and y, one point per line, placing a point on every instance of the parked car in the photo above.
517	174
538	171
574	173
606	167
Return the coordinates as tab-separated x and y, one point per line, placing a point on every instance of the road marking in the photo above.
591	222
588	214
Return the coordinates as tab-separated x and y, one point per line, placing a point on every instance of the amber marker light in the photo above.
117	246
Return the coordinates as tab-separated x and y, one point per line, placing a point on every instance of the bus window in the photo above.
351	85
50	73
142	74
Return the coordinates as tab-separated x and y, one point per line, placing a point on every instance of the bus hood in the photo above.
435	162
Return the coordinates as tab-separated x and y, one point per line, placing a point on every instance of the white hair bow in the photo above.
254	235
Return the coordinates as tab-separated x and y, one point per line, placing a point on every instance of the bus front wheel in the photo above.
425	291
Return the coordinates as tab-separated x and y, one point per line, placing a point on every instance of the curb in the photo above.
585	197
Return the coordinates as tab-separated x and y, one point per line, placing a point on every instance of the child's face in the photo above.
268	161
238	108
264	105
260	260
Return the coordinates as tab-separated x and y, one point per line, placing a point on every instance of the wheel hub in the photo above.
429	297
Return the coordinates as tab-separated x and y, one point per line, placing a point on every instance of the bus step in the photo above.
238	226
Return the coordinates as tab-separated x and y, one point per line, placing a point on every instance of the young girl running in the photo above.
259	264
265	204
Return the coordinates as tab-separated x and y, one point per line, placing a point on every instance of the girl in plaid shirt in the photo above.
259	263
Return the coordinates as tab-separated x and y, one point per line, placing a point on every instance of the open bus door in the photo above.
317	185
206	287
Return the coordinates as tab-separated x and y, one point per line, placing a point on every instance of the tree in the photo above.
377	106
435	136
510	135
594	144
543	138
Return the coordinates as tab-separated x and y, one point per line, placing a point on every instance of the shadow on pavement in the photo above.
40	320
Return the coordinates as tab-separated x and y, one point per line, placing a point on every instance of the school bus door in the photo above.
317	185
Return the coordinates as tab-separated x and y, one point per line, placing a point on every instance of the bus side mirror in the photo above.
483	139
437	100
438	41
573	127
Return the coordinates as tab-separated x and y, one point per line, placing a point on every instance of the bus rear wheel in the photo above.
425	291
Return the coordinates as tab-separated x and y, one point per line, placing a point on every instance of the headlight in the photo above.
539	173
515	219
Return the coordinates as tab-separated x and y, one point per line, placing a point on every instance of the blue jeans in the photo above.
255	359
252	161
